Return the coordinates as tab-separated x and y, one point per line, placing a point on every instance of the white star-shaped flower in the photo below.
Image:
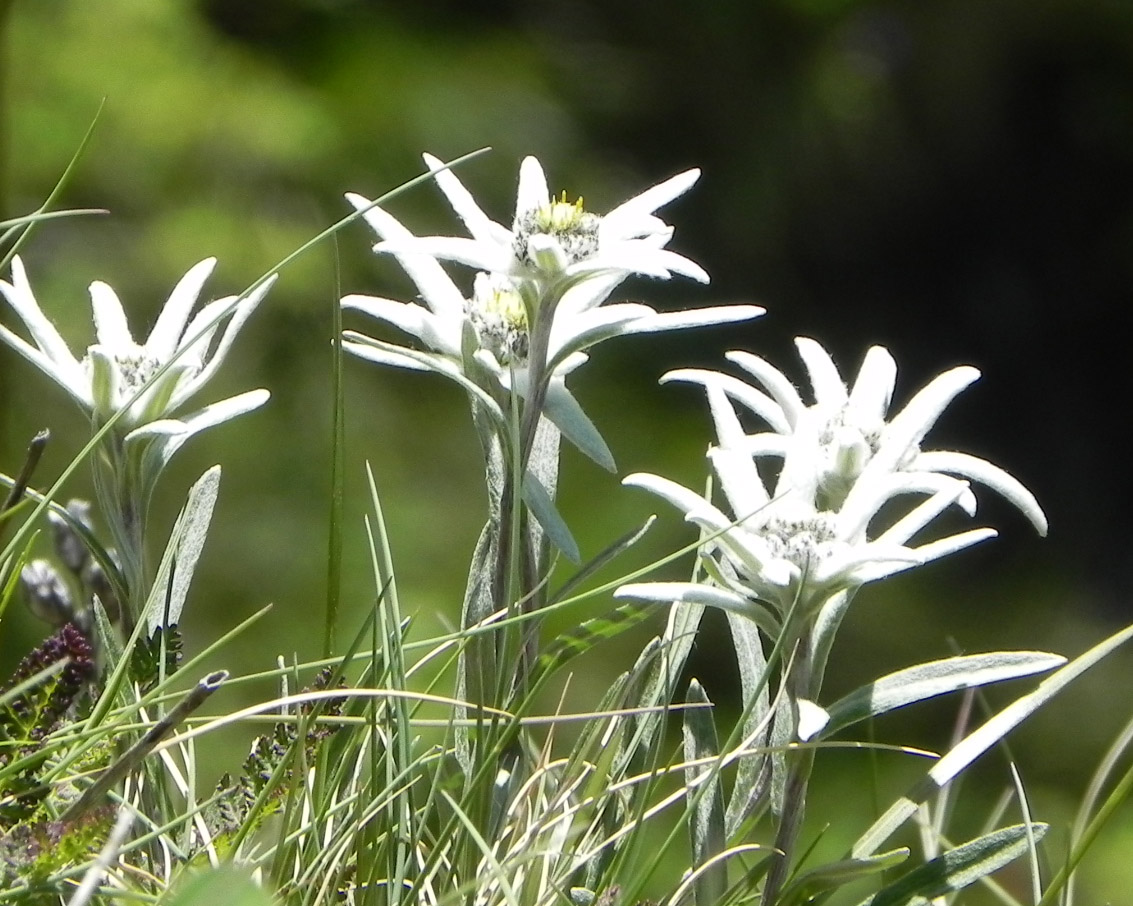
837	448
842	461
555	241
483	340
116	367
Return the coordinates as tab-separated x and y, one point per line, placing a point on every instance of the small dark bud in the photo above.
70	547
97	583
45	593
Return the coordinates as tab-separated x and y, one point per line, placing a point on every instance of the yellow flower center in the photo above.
499	317
560	216
573	229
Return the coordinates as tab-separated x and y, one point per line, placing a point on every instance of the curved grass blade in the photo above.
569	645
25	228
337	469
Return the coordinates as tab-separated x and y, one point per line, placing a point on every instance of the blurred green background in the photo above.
951	179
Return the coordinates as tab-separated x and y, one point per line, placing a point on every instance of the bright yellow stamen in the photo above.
561	216
508	306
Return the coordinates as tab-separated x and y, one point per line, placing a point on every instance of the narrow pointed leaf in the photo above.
959	867
925	681
660	688
705	798
604	557
582	638
477	663
171	587
834	875
563	409
543	465
980	740
543	507
752	773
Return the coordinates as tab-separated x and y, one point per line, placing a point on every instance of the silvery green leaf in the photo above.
543	508
704	797
563	409
543	464
925	681
476	665
699	594
665	660
959	867
980	740
107	637
784	727
830	877
175	573
638	739
753	771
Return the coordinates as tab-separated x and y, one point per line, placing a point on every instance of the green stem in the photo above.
798	682
538	379
517	559
124	504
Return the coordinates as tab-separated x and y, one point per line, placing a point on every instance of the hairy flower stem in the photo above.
514	581
800	761
540	316
517	557
124	505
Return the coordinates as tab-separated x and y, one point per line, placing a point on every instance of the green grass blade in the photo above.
337	471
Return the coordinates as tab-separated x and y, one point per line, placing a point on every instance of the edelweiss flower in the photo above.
841	462
555	241
115	368
483	341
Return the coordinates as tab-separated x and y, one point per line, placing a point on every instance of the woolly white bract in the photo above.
553	240
811	534
115	368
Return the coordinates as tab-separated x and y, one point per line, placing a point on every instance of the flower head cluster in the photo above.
547	275
499	320
555	241
815	532
118	374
